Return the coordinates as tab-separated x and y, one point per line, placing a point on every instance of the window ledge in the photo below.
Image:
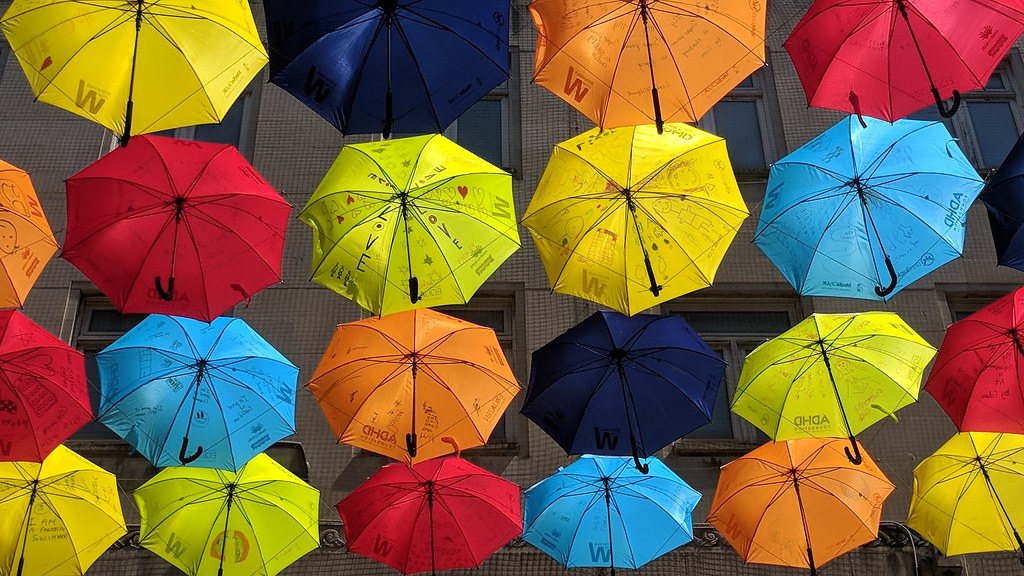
496	448
712	447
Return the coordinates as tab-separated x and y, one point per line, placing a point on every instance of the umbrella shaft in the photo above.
803	518
28	522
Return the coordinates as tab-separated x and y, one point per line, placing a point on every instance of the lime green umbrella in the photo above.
832	376
410	223
255	521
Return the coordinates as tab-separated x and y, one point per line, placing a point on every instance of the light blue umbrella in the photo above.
602	511
184	392
863	211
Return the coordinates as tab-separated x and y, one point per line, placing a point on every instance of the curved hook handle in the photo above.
855	457
410	444
453	443
641	466
943	111
168	294
883	292
184	448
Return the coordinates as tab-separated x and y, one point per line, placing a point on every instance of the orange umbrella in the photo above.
645	61
26	242
798	502
397	384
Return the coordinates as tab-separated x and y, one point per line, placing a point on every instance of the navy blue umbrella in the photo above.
618	385
383	66
1003	195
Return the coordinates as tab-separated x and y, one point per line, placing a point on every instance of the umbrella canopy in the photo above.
601	511
26	241
136	66
967	494
175	227
832	375
58	516
648	378
399	384
439	514
629	218
255	521
645	61
1003	197
864	211
886	59
382	67
410	223
978	372
798	503
219	391
44	397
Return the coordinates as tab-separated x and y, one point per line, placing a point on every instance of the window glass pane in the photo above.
229	131
995	82
493	319
737	122
480	131
747	82
994	129
107	321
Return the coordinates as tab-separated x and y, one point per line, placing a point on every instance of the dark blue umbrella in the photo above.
383	66
617	385
1003	195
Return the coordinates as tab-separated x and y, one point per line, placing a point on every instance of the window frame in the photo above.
961	126
745	436
510	299
762	94
964	299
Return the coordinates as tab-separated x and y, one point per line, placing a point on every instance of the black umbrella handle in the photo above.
414	289
185	459
893	280
655	288
642	467
168	294
410	444
855	457
941	105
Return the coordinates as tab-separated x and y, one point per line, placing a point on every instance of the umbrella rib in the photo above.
419	72
437	24
107	28
186	223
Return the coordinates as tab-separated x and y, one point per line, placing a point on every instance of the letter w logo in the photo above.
381	546
598	553
574	85
592	285
605	439
90	99
315	82
175	545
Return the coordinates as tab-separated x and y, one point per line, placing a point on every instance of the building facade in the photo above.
516	127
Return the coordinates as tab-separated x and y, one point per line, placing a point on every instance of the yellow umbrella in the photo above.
629	218
967	494
136	66
832	375
204	521
26	241
58	516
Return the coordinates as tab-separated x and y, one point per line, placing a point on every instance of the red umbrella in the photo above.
887	59
979	370
44	397
434	515
175	227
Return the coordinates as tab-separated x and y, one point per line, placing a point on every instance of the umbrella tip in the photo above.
454	444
